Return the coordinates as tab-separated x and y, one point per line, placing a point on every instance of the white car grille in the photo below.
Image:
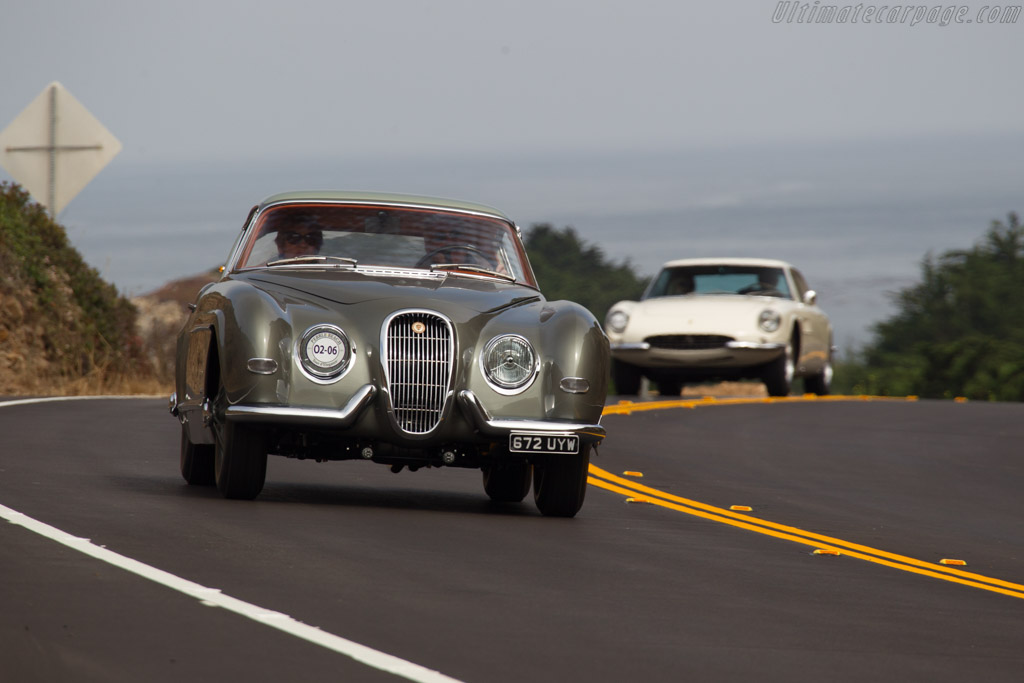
688	342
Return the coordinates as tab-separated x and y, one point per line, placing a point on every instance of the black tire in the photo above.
507	482
197	461
240	461
778	375
670	387
626	377
560	484
821	382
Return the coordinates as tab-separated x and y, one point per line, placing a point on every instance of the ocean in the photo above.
856	218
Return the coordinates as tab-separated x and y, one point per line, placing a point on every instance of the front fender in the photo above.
570	345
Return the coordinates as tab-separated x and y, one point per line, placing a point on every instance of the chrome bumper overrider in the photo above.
488	426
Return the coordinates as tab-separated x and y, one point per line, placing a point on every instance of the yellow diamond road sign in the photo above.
55	147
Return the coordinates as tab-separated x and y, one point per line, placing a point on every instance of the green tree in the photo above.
959	331
568	268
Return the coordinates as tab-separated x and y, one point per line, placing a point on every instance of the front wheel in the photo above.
560	484
670	387
507	482
240	461
778	375
821	383
626	377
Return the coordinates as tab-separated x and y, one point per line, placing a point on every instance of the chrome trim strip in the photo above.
754	346
631	346
340	418
488	426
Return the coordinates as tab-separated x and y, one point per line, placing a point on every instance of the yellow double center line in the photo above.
825	544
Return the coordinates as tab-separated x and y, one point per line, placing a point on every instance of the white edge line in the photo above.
50	399
214	597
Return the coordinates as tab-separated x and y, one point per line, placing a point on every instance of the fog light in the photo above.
574	385
262	366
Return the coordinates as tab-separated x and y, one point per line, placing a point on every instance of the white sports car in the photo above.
722	318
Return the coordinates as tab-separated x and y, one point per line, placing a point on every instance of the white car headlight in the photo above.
509	363
769	320
324	351
617	321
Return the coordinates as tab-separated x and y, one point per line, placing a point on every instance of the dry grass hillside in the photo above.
161	314
63	329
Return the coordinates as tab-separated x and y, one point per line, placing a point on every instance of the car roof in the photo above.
395	199
727	261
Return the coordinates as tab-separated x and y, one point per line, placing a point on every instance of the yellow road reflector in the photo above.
631	473
958	563
826	551
741	508
638	500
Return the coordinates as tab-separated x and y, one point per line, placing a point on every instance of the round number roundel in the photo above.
324	351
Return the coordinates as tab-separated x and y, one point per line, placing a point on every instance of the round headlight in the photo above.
617	321
509	362
324	351
769	320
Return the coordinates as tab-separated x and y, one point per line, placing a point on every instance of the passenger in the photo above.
681	284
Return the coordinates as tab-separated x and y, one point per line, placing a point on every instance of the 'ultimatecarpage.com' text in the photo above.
790	12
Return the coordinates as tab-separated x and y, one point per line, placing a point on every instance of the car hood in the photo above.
723	314
349	287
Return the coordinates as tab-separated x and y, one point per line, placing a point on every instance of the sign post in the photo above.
55	147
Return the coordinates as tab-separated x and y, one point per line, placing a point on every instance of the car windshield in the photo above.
719	279
350	236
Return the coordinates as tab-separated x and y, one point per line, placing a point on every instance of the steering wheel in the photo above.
481	257
758	287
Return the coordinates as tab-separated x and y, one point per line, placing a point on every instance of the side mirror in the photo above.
810	297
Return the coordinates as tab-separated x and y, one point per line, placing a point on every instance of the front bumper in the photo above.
476	417
733	354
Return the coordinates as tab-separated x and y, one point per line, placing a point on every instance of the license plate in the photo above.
539	442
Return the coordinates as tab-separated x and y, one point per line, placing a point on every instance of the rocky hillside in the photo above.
161	314
63	329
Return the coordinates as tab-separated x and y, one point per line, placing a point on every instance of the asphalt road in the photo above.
421	569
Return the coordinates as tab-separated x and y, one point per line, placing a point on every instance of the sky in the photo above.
659	129
204	81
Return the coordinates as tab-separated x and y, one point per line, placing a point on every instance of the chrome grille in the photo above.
688	342
419	348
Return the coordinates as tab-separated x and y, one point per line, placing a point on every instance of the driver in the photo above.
767	283
768	279
299	236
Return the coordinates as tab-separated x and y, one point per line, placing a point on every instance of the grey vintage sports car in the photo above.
402	330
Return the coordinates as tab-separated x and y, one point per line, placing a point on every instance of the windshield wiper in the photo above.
314	258
472	269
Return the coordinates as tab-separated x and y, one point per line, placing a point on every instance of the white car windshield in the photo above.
720	279
350	235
